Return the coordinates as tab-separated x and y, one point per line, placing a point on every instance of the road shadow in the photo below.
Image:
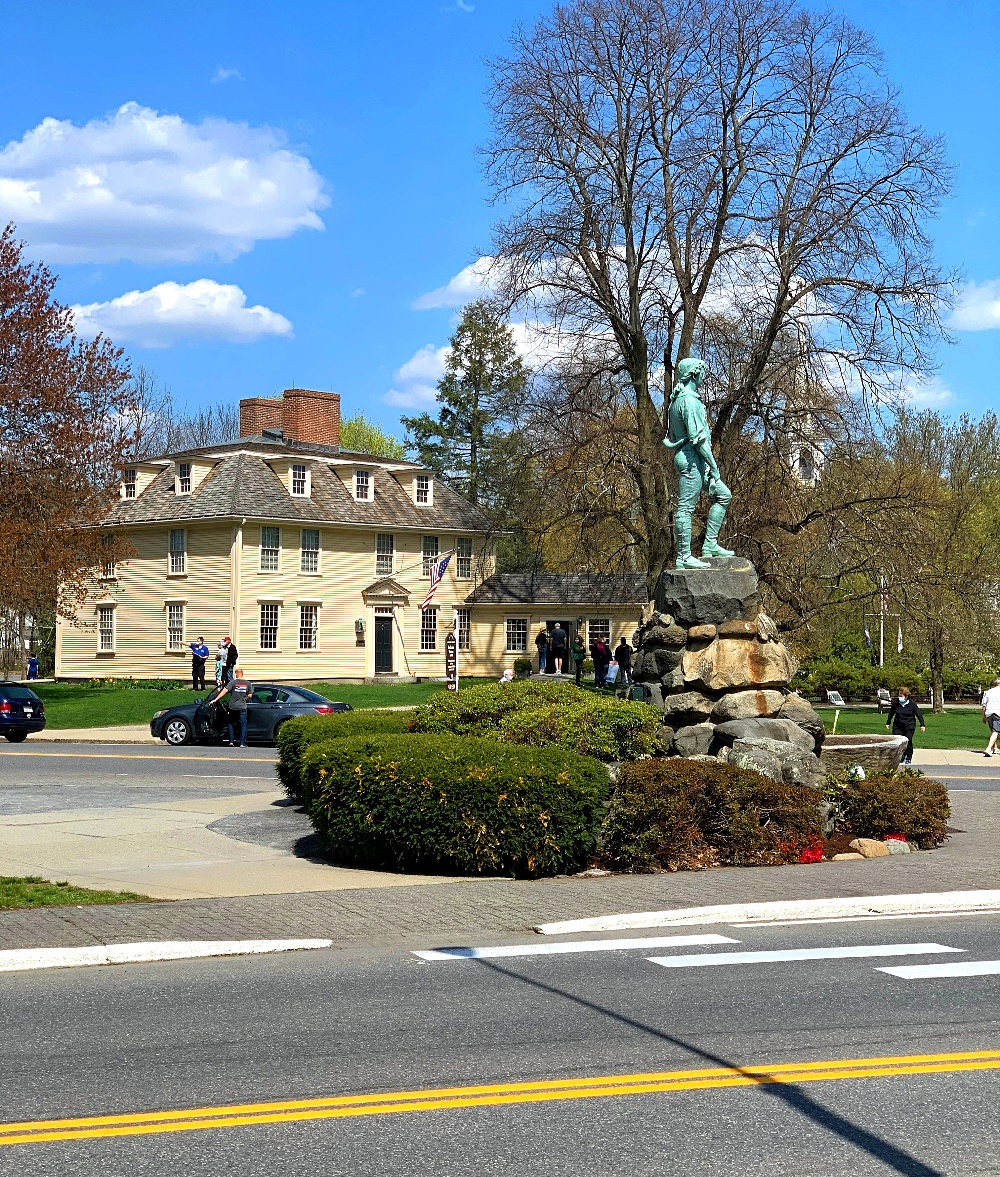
895	1158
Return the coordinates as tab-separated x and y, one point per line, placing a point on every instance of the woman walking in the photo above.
904	715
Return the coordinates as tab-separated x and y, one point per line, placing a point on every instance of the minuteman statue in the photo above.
688	433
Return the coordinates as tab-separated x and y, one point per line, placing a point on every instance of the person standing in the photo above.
542	646
578	652
904	715
601	654
623	656
232	657
237	695
558	647
32	667
220	664
990	704
199	654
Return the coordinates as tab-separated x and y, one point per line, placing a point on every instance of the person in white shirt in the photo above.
991	715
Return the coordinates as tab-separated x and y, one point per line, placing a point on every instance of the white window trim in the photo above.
177	479
113	606
167	647
370	498
170	555
276	649
307	493
391	555
318	606
430	490
436	649
318	550
424	556
261	570
526	618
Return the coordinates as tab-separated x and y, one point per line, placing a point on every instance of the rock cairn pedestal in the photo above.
714	666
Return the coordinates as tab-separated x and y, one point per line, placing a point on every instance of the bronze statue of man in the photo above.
688	433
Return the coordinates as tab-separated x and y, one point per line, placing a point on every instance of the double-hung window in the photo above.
178	551
429	628
517	635
270	548
106	629
463	559
175	625
184	478
429	550
129	482
300	481
423	489
362	486
464	628
599	627
269	625
309	551
385	551
308	627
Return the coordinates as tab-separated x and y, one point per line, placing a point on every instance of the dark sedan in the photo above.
21	712
269	706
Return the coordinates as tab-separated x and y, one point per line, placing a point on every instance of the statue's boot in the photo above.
682	530
711	546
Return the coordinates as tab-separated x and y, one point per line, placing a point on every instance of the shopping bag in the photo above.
612	675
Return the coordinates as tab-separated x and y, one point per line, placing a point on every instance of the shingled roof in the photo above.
561	588
243	485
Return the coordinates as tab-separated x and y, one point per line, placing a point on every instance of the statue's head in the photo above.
691	368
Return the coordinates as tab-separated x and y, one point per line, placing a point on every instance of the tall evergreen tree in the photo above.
480	401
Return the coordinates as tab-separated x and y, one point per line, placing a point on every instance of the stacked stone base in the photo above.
714	666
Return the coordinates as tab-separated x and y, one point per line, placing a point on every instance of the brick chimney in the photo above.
303	415
311	416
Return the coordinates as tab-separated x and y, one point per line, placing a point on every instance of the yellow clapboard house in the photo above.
315	561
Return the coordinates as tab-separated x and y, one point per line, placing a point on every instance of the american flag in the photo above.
437	573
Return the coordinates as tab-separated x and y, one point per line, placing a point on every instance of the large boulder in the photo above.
654	663
796	766
709	596
802	712
737	664
752	755
686	707
747	705
694	740
782	730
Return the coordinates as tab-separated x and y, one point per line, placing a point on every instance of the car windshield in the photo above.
9	691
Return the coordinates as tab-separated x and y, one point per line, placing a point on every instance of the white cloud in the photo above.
467	285
225	74
416	381
928	394
169	313
147	187
978	307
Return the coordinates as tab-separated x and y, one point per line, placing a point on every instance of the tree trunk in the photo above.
937	670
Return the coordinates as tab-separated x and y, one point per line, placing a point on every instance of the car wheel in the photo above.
177	732
15	737
277	728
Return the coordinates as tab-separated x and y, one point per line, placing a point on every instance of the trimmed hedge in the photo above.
904	803
689	815
542	714
454	805
296	735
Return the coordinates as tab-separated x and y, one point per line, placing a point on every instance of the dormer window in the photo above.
363	486
422	490
183	478
300	480
128	483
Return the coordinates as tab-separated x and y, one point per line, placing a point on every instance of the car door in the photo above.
210	718
261	708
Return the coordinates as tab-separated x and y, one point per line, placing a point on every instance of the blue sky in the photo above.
362	190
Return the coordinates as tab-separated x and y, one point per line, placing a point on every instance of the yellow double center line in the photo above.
449	1098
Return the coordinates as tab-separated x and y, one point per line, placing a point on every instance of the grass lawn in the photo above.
31	891
957	728
72	705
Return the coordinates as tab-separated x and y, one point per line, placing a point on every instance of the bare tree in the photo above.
678	162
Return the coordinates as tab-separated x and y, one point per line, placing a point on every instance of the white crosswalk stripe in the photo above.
567	946
703	959
957	968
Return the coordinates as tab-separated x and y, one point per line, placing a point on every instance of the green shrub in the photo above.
523	665
687	815
296	735
139	684
455	805
904	803
542	714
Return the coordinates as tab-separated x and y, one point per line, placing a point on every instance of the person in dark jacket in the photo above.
904	715
578	652
623	656
558	639
199	652
600	651
542	646
232	657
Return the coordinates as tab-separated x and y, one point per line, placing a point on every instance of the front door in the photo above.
566	667
383	645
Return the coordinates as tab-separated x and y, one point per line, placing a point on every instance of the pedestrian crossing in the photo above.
733	957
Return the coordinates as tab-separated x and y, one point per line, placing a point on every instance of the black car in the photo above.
269	706
21	712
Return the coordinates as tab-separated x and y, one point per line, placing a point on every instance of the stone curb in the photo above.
939	903
20	959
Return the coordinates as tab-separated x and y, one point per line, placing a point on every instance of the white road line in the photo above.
570	946
861	919
18	959
958	968
699	960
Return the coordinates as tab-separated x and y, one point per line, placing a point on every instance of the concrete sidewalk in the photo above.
455	912
129	733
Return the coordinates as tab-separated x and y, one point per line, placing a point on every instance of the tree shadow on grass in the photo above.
789	1094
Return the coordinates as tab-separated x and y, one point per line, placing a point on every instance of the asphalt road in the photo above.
315	1026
